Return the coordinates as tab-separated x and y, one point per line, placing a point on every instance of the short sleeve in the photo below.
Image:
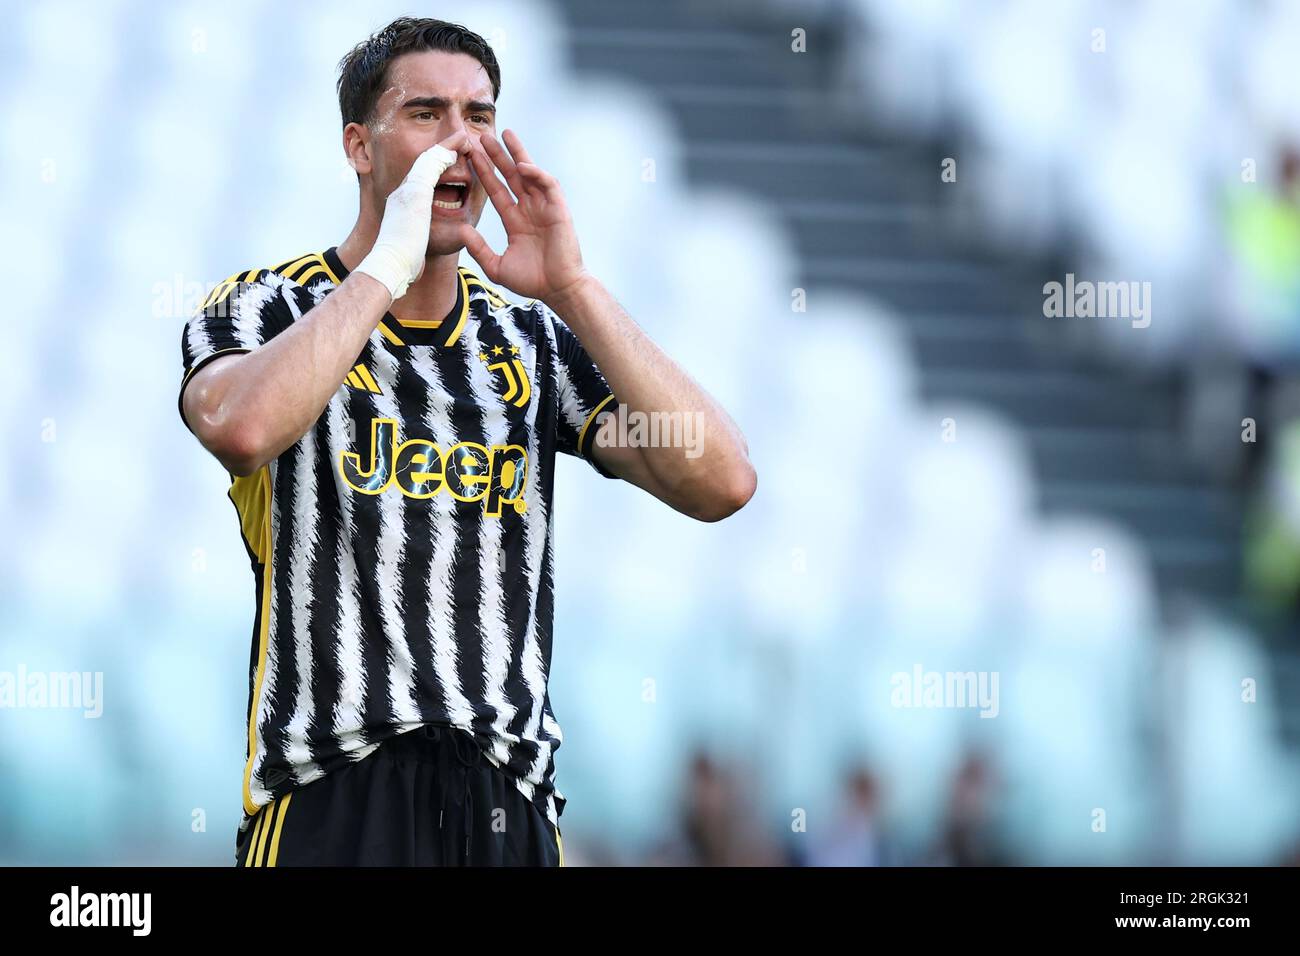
584	395
241	313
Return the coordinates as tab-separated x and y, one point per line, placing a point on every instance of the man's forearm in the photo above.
720	478
249	410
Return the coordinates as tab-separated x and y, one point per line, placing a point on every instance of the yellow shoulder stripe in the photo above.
226	286
495	297
315	270
299	269
288	270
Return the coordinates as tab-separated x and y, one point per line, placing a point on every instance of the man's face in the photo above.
429	96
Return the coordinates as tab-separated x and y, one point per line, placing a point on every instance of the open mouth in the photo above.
450	195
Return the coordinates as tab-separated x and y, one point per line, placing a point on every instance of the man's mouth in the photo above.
450	195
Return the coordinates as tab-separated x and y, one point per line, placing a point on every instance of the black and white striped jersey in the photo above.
401	549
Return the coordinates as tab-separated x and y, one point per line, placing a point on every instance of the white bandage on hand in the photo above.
397	258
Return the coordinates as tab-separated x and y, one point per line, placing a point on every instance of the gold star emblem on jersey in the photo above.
518	389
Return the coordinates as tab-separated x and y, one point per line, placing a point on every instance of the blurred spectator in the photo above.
968	838
717	825
1273	529
857	837
1263	233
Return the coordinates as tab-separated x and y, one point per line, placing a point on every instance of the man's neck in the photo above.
428	299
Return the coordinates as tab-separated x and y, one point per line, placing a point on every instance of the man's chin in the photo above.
445	242
446	248
445	233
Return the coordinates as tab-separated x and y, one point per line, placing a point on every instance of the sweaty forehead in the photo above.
453	76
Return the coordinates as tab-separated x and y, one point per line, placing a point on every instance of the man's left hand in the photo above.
542	258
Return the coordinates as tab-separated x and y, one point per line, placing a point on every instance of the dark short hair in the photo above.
364	71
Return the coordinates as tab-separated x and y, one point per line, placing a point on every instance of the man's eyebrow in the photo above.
441	103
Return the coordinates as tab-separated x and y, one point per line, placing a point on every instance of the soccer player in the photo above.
390	423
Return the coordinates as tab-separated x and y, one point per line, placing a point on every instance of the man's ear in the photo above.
356	146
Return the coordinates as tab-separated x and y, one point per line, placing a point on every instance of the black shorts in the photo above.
428	797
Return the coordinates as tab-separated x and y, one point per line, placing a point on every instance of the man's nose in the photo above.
454	122
451	123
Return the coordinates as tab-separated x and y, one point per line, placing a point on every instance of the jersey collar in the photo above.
395	332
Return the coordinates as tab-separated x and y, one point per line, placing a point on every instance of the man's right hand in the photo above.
397	257
248	408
